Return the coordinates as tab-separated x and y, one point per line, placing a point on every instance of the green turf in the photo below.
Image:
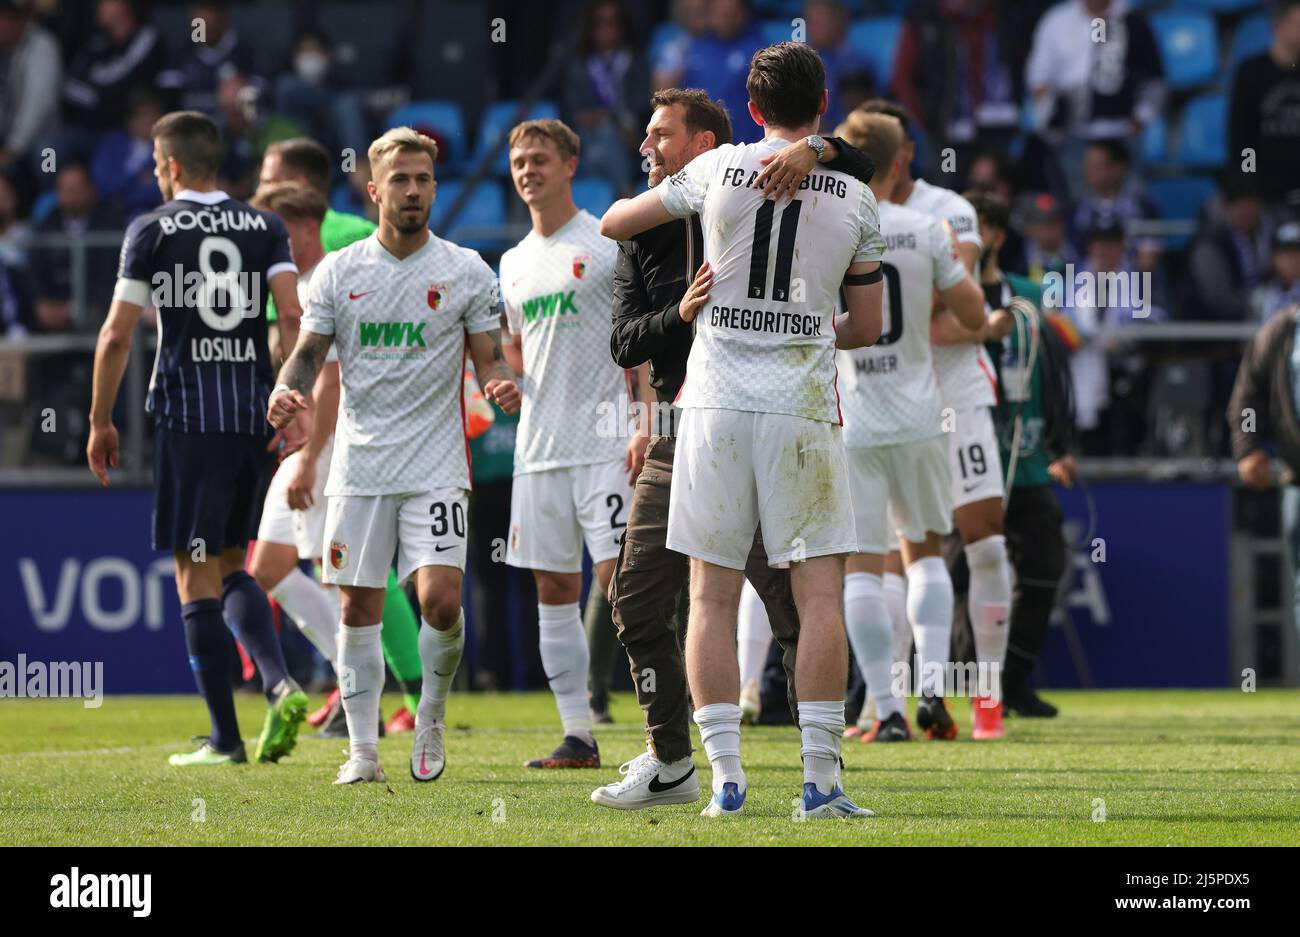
1174	768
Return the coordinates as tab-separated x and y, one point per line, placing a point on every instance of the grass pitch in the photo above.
1116	768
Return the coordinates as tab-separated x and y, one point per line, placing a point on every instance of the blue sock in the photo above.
248	613
209	647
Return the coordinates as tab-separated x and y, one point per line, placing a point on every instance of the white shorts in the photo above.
554	512
973	457
734	470
903	488
362	532
282	524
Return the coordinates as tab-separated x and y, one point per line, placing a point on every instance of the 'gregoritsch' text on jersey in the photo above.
205	260
399	327
965	370
559	297
889	392
765	342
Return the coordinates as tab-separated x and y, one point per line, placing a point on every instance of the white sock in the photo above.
315	610
361	681
929	609
989	605
439	657
753	635
720	733
867	621
896	602
565	658
821	725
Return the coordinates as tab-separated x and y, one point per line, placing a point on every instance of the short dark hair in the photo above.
892	108
702	112
1282	7
303	156
1116	150
990	208
786	83
192	139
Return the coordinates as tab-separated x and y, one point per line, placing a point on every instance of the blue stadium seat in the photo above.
775	31
497	121
1220	6
1254	35
1203	138
486	208
1189	47
665	33
877	38
441	120
1180	199
594	194
1155	141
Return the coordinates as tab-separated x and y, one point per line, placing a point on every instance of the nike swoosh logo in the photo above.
440	549
348	697
557	676
967	489
352	295
658	787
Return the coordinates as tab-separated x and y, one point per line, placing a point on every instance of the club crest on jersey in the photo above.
338	554
437	295
580	265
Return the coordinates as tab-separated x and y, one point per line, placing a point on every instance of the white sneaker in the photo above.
357	770
751	703
428	754
642	787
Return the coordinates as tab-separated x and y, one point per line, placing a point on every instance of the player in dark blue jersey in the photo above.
207	263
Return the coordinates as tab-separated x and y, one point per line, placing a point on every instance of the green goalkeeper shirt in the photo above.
1021	399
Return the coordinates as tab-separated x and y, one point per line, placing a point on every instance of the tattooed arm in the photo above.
494	374
297	378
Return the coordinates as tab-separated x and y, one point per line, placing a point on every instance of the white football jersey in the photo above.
888	391
965	371
765	342
400	327
559	296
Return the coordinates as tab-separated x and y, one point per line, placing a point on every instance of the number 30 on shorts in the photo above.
438	511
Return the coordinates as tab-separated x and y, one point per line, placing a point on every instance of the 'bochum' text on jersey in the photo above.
205	260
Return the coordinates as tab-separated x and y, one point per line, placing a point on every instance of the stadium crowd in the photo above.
1163	145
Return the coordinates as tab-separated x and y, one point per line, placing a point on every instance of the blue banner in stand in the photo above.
1148	591
79	581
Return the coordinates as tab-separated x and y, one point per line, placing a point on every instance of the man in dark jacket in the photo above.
657	293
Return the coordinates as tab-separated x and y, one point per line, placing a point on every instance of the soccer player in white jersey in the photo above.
759	439
571	482
893	428
293	518
400	306
967	386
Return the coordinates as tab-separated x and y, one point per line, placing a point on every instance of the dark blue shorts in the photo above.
209	487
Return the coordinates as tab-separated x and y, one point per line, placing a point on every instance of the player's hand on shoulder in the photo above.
505	394
101	451
697	294
784	171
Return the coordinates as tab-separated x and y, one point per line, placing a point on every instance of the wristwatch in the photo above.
817	145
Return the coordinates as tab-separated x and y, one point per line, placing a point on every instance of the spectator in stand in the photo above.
606	90
1264	113
194	75
14	231
32	68
670	64
124	53
718	62
123	166
313	100
1110	192
17	312
80	210
1086	88
990	172
1230	256
1283	289
827	23
951	71
1047	249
